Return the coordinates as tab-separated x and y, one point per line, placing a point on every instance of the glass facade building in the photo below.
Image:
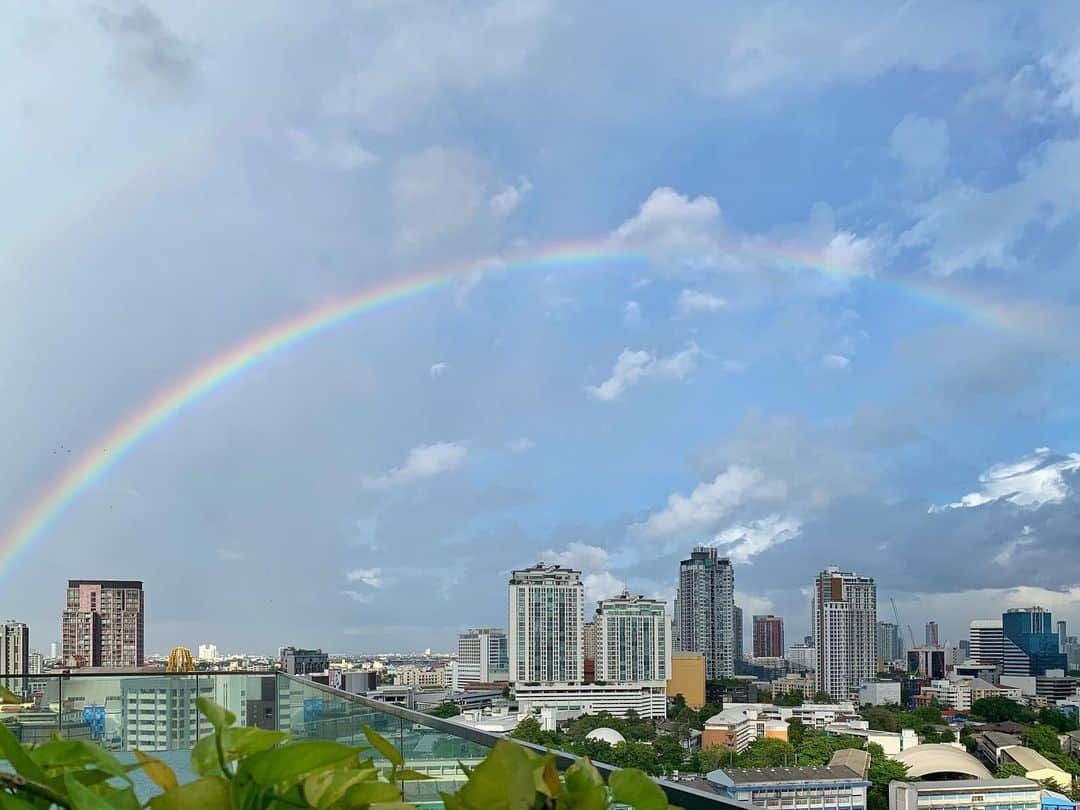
1030	644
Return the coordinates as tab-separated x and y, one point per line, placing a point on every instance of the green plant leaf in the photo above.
326	787
82	797
384	746
631	786
11	750
451	801
158	772
582	775
372	792
204	757
9	802
398	805
8	697
288	764
122	799
66	753
409	775
504	780
219	716
547	778
210	793
244	741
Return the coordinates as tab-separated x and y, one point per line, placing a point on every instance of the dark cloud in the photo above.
149	55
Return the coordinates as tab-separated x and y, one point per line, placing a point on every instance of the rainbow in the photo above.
106	451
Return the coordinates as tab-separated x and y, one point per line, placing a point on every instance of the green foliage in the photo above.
668	752
1008	769
1044	739
446	709
1000	709
710	758
793	698
796	732
880	718
1057	719
882	771
765	752
822	697
253	769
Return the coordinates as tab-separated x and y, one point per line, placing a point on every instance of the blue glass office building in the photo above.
1030	643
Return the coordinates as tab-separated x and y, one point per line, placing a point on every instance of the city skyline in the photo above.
317	320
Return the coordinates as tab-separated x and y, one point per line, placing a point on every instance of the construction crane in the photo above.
896	615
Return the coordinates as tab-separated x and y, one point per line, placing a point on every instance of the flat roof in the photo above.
106	583
968	784
763	776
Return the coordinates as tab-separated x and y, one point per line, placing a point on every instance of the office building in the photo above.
889	645
879	693
546	625
159	714
737	628
1013	793
633	640
409	675
963	646
54	650
706	610
37	663
1062	634
103	623
646	699
15	656
1029	643
985	640
588	641
840	785
354	681
481	657
688	678
803	655
931	636
768	637
208	652
845	631
927	662
298	661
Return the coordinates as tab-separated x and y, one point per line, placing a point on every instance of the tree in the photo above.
997	709
822	697
669	752
796	732
710	758
767	752
792	698
638	755
882	771
1008	769
678	705
446	709
707	711
1058	719
529	730
880	718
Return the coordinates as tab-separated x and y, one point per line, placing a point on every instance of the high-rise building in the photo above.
928	662
931	634
737	627
481	656
845	631
15	656
768	637
706	610
37	663
298	661
546	617
1029	643
688	678
102	625
54	650
633	640
889	645
208	652
803	655
1063	635
984	639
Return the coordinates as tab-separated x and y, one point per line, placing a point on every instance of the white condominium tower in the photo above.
985	641
546	618
633	640
705	610
845	631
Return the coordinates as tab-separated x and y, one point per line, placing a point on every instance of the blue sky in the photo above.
183	177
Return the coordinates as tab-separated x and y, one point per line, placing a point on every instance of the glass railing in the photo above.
156	713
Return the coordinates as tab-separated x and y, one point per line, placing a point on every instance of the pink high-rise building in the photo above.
102	624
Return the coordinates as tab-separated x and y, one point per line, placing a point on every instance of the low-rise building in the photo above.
819	715
990	744
792	682
891	742
740	724
1014	793
688	678
828	787
1036	766
648	700
879	693
409	675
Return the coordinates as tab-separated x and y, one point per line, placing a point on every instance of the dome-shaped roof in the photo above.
608	735
180	660
936	758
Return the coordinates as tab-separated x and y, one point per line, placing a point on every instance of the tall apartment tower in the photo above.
633	640
845	631
15	656
545	642
706	610
932	634
737	629
102	624
984	639
1063	635
768	637
889	645
481	656
1029	643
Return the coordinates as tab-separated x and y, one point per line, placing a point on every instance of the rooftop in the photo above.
968	784
1029	759
769	776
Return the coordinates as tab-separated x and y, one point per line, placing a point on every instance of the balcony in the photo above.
98	707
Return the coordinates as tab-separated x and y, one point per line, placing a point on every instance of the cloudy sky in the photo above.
838	324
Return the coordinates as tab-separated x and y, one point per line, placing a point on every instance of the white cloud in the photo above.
632	313
1005	556
504	202
921	145
438	369
747	540
602	585
1031	482
357	596
521	444
691	301
593	562
674	228
633	367
372	577
334	152
709	503
753	605
424	461
837	362
439	195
